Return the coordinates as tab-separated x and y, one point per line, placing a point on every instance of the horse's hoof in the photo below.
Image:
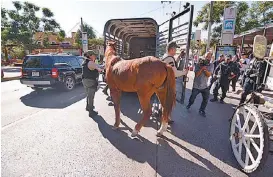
115	128
134	133
158	134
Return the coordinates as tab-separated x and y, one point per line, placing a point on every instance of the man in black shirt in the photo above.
90	74
235	71
222	73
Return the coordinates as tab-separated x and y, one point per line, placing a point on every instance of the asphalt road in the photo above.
50	134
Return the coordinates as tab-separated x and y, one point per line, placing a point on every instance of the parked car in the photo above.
51	70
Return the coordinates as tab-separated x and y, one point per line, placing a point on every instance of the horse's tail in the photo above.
171	90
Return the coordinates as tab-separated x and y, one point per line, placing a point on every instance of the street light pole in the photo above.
209	29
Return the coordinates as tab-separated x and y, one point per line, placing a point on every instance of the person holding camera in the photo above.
222	73
90	74
203	71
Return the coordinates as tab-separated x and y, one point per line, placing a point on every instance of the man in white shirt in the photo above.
169	59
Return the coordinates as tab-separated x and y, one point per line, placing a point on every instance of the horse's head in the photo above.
111	46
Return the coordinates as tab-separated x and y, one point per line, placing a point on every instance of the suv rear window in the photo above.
38	62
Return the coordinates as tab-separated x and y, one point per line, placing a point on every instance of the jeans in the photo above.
205	95
90	88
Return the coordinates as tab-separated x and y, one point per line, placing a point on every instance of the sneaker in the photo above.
188	106
222	101
214	99
202	113
93	113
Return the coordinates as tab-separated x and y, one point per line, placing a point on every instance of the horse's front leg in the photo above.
115	94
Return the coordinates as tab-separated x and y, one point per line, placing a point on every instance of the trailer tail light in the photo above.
54	73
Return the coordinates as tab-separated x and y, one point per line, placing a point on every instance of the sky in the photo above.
96	13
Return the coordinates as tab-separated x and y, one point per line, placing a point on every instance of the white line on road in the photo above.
20	120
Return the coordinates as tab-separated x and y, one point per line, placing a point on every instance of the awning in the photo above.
249	35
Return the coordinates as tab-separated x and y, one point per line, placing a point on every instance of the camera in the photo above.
203	62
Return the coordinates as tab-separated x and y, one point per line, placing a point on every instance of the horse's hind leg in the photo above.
164	119
144	100
115	94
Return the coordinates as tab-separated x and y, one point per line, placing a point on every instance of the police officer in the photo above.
223	73
253	78
235	72
90	74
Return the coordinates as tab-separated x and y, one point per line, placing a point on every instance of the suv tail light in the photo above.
54	73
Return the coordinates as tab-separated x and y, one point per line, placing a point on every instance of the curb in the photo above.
10	78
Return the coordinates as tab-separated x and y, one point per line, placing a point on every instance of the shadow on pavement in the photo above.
190	126
53	98
142	151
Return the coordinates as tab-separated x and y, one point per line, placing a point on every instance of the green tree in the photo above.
258	14
217	17
95	42
90	34
21	24
61	35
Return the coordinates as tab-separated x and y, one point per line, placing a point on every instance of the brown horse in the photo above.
145	76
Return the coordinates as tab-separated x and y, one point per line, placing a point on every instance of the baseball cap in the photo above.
228	56
89	53
172	44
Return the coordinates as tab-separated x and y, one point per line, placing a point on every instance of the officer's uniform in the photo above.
223	73
90	76
253	72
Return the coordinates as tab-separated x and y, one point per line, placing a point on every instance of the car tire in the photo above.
37	89
69	83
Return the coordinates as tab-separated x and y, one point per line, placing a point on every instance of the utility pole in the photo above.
179	12
82	34
209	30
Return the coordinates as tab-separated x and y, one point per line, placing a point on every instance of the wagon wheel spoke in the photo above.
236	125
240	147
253	128
246	121
248	153
255	145
252	136
239	122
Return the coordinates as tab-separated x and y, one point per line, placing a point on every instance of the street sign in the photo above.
193	36
197	35
228	25
230	13
84	42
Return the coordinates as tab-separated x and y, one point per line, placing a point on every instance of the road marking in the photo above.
20	120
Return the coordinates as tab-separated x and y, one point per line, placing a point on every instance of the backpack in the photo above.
175	63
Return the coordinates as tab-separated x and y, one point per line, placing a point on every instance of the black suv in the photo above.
48	70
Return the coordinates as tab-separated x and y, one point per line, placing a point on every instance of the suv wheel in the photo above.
69	83
36	89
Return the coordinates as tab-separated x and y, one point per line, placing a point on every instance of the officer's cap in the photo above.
89	53
172	44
